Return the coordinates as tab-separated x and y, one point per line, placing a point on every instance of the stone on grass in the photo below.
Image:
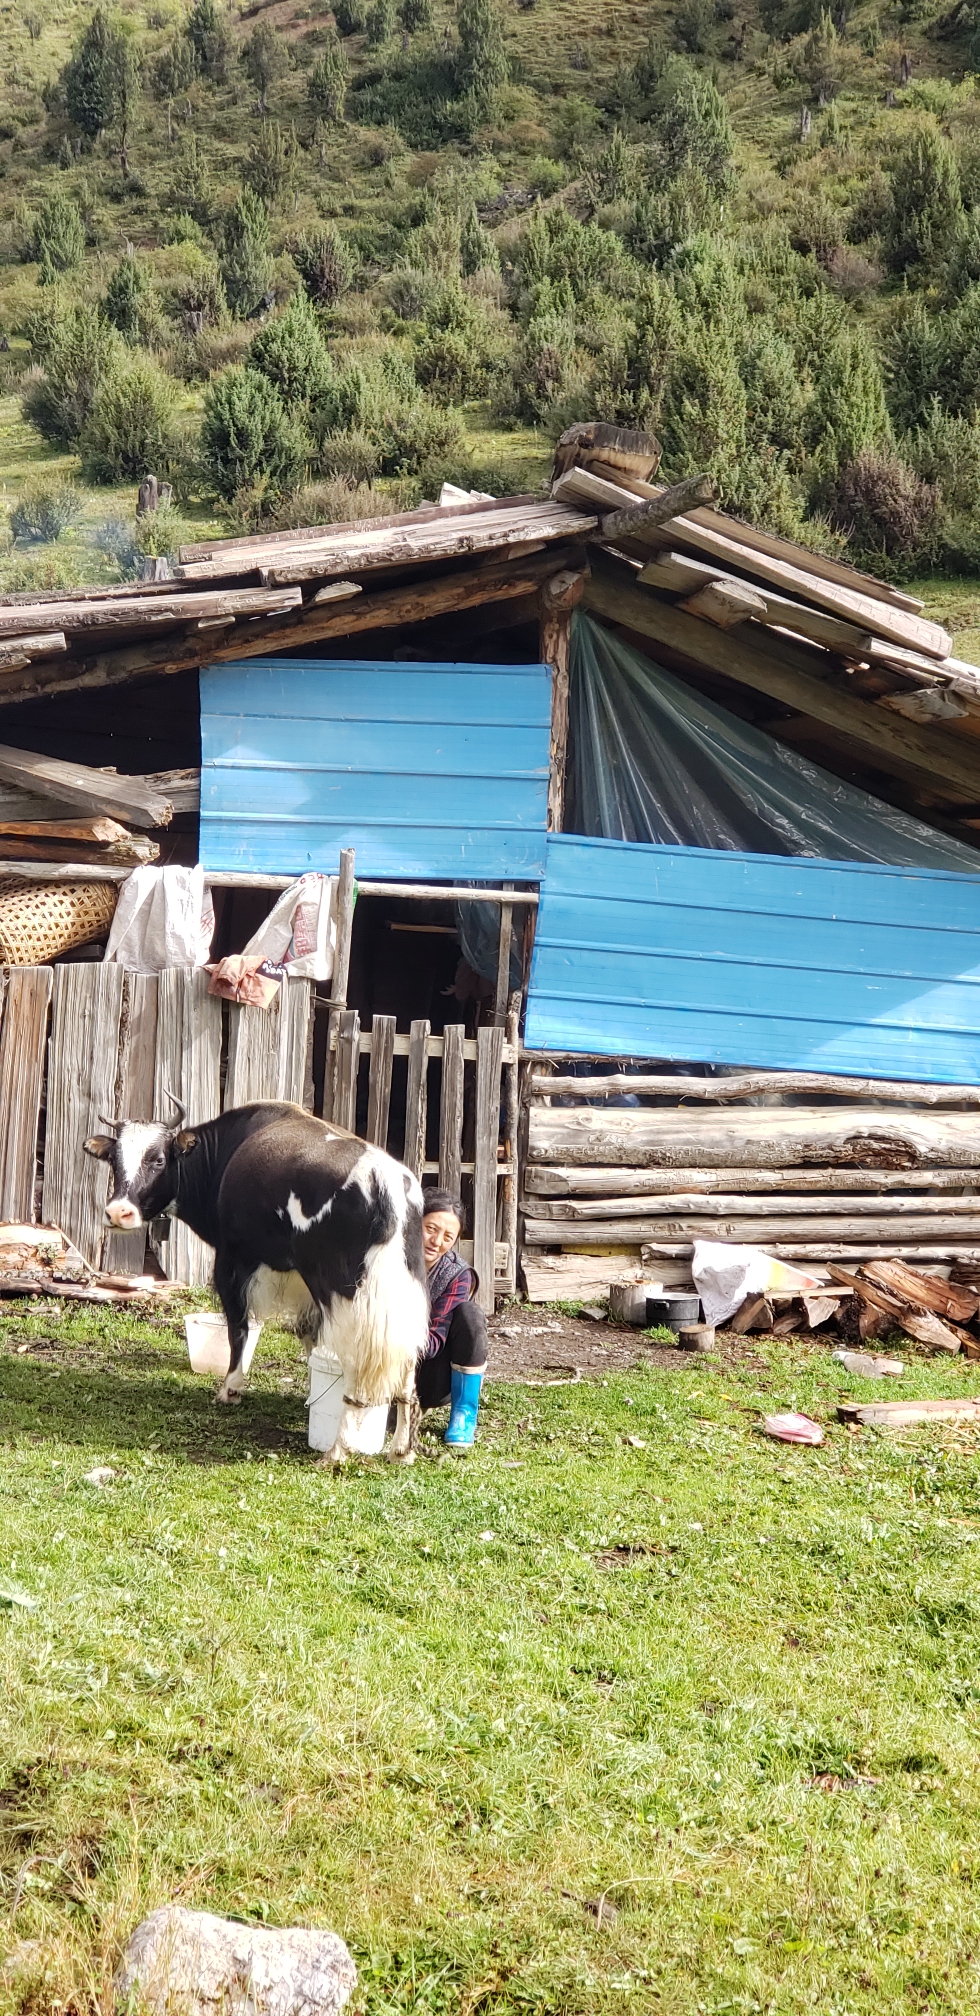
190	1963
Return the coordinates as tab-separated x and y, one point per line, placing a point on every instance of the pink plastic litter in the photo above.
793	1428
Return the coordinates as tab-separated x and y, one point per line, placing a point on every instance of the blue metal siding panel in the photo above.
434	771
756	959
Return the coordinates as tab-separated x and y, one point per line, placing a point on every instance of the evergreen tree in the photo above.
324	266
57	238
415	15
92	80
476	247
247	436
125	298
326	85
380	24
271	163
292	354
246	266
481	61
207	32
265	57
927	205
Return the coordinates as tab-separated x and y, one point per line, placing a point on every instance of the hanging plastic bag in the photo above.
164	918
300	932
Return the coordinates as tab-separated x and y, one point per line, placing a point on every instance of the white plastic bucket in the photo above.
208	1346
326	1405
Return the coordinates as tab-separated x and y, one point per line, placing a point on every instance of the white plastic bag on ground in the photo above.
164	917
300	932
724	1275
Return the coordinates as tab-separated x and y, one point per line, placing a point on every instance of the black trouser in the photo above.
466	1344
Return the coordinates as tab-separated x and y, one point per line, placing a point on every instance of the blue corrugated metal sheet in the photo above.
428	771
728	958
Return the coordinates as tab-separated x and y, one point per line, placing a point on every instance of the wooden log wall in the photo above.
484	1070
81	1040
812	1169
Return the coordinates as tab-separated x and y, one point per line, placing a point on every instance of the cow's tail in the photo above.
380	1334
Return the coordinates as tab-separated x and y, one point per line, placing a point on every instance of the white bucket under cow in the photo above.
208	1347
326	1405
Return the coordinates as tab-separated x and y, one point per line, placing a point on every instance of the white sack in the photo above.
164	917
724	1275
300	933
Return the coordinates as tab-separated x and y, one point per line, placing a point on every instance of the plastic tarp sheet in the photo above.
652	760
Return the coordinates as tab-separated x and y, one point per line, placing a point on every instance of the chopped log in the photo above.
755	1313
786	672
94	790
753	1137
104	830
113	614
181	787
818	1308
136	850
931	1330
725	603
624	450
759	1231
892	1305
640	520
677	573
579	1211
47	644
568	1277
541	1181
907	1413
749	1085
924	1291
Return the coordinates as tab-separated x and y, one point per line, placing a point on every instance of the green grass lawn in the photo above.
434	1710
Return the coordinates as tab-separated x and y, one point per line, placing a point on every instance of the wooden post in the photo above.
341	970
379	1078
415	1099
512	1116
125	1252
489	1058
503	959
23	1048
348	1059
557	600
451	1108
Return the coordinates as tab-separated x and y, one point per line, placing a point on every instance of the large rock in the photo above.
189	1963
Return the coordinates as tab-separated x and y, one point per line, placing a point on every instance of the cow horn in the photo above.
181	1108
114	1124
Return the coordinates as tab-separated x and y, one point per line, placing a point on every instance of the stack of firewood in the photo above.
51	810
886	1295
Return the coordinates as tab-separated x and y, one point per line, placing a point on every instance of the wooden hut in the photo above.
389	703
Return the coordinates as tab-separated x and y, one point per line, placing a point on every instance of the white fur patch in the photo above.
379	1334
297	1216
133	1141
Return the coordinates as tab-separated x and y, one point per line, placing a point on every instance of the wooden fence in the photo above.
77	1041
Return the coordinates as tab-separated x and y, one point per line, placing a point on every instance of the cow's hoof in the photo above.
224	1398
332	1459
401	1455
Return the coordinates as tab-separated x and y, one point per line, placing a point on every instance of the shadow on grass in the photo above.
139	1401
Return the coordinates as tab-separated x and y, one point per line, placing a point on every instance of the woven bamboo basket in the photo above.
38	920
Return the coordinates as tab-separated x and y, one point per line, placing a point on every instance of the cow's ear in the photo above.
185	1140
101	1146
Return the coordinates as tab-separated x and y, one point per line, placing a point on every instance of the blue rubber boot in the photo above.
465	1406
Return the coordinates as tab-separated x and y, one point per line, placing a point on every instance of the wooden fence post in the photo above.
379	1078
341	970
489	1059
416	1100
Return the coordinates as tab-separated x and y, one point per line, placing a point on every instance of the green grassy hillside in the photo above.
300	260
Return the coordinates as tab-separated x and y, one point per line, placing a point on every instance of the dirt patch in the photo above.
532	1344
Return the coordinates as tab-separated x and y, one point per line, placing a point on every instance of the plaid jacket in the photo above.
449	1284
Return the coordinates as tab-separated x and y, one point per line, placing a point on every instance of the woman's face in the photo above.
440	1230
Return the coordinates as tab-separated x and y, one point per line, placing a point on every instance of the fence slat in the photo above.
82	1066
379	1080
267	1047
344	918
125	1252
348	1059
416	1096
23	1043
451	1113
489	1059
188	1062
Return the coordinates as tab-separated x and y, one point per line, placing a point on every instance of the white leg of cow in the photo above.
230	1391
347	1435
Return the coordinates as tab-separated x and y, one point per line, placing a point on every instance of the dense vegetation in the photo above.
294	255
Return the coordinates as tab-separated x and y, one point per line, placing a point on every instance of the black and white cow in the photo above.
308	1224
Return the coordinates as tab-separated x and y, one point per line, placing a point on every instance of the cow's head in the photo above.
143	1157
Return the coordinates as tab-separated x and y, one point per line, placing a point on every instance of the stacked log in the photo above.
841	1180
